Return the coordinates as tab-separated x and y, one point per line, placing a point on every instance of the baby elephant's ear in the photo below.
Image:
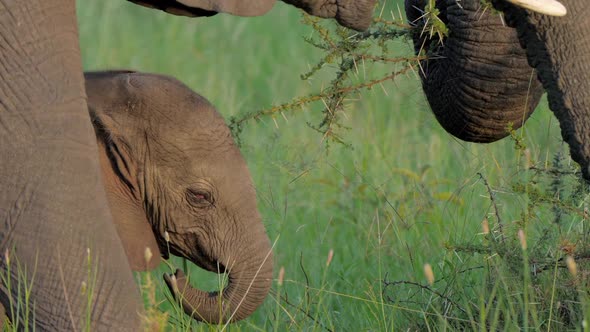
193	8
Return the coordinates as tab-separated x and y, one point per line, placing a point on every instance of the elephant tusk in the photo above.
547	7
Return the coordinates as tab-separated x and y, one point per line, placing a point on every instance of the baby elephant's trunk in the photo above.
250	276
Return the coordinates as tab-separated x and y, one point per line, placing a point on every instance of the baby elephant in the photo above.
177	183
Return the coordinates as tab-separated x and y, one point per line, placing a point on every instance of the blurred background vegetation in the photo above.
398	194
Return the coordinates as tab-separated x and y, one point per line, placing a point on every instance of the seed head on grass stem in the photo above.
330	256
570	262
522	239
485	226
429	274
147	255
281	276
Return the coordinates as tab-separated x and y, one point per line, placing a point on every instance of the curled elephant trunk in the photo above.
477	80
250	277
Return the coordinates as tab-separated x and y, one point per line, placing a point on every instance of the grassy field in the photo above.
401	193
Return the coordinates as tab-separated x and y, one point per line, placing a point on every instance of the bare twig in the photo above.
387	283
492	196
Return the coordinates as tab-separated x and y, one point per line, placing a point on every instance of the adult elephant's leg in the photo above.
559	48
52	203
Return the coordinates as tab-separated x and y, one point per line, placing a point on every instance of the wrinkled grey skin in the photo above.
475	89
53	205
559	49
354	14
170	164
479	82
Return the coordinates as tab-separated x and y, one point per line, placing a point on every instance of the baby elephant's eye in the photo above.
199	198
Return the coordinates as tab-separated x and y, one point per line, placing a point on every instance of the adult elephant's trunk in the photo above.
477	79
249	268
558	47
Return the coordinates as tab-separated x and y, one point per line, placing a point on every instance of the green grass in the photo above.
401	193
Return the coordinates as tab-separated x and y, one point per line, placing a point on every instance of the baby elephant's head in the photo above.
177	183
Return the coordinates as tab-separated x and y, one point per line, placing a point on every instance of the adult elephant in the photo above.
480	79
53	206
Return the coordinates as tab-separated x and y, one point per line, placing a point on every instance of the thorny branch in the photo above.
494	205
447	299
346	51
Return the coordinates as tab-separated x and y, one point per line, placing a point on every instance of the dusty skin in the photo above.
175	180
52	191
490	72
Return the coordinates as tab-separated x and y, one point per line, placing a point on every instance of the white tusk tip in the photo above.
547	7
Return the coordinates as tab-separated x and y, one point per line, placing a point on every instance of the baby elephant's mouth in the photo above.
248	282
192	248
